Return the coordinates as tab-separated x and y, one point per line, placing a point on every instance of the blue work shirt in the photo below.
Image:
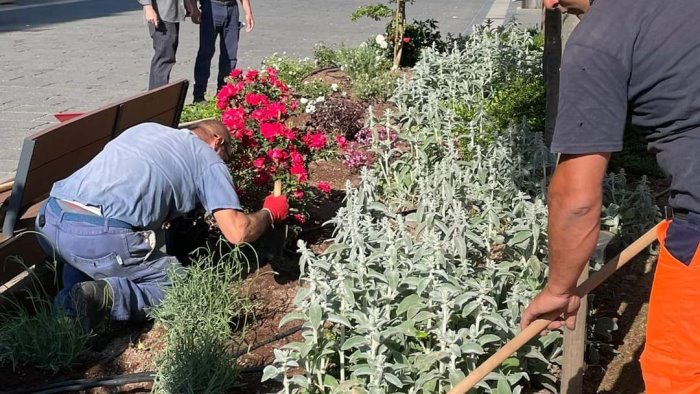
149	174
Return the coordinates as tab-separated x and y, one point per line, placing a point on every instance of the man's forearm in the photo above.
573	234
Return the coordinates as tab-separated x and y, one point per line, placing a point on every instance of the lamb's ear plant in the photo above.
204	315
40	335
438	249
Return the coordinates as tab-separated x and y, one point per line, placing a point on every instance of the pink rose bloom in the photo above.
298	194
406	39
276	109
277	154
324	186
297	158
236	72
300	172
289	134
255	99
271	72
315	141
341	141
299	218
251	75
259	162
270	130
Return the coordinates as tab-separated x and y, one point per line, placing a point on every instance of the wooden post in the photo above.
572	365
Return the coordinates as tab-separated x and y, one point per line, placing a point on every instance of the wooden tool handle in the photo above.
277	191
6	186
540	324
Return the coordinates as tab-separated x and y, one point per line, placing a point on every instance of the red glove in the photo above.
278	207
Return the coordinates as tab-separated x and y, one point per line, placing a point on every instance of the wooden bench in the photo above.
61	149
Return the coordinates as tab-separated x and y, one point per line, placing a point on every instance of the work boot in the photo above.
93	302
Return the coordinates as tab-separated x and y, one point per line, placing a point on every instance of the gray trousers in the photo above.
165	40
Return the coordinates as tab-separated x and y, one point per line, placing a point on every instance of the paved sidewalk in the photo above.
77	55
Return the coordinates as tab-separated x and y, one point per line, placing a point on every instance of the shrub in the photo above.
418	35
366	67
255	108
340	115
293	72
201	312
47	339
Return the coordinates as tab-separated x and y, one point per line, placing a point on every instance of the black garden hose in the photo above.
119	380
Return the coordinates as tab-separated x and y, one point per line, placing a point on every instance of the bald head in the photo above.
214	134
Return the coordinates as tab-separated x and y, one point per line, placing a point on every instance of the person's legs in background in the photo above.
228	49
208	30
165	41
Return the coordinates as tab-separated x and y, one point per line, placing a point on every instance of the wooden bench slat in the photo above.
26	247
153	105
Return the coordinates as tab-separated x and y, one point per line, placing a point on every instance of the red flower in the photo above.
234	118
298	194
276	109
315	141
294	105
324	187
259	162
406	39
277	154
255	99
271	130
236	72
341	141
300	172
299	218
271	72
297	158
251	75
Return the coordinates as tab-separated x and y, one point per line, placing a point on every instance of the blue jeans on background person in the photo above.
219	19
91	247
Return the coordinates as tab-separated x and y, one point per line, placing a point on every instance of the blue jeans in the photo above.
92	247
218	19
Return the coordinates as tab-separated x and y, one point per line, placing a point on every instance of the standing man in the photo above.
163	18
100	221
219	18
638	62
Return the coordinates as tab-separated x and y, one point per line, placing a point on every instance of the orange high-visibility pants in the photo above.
671	358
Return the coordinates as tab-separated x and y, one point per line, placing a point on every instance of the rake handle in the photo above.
541	324
277	191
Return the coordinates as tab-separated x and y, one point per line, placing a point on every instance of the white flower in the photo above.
310	109
381	41
344	94
320	99
334	87
304	100
363	45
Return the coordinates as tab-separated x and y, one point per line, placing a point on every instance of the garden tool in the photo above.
541	324
6	186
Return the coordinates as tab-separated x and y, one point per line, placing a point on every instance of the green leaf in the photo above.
497	320
336	248
270	372
393	379
471	347
291	317
503	387
488	338
407	303
330	382
315	315
339	320
354	342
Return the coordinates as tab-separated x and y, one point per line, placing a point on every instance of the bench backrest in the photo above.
58	151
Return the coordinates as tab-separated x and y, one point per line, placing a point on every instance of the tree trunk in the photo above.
400	27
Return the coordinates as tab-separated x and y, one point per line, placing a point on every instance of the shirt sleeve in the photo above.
592	102
215	189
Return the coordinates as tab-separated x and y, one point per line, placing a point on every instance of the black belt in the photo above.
683	214
229	3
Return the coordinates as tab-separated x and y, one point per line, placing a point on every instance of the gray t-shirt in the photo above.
149	174
636	61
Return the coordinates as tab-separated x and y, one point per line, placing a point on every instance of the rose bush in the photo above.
256	107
